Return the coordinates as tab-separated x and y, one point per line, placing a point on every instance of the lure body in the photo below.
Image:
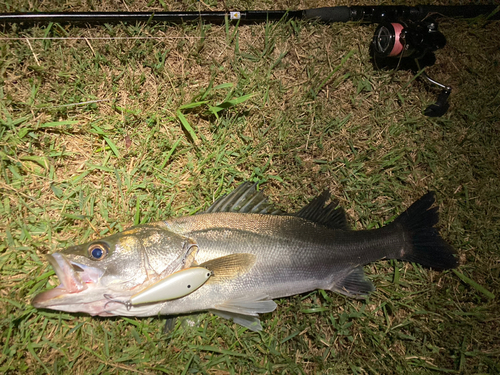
177	285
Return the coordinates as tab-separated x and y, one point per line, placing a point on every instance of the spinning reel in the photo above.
411	45
408	44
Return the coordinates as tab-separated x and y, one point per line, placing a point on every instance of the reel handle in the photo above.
439	108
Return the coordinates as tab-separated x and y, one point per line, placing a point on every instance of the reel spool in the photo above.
387	41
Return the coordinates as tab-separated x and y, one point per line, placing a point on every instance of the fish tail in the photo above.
423	243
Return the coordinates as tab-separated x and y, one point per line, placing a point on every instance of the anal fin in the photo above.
354	284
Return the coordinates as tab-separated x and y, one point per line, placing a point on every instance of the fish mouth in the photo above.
74	278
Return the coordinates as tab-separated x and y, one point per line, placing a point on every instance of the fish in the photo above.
236	257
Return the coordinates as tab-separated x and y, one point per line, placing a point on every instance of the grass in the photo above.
100	134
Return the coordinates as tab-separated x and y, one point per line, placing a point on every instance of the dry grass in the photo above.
91	143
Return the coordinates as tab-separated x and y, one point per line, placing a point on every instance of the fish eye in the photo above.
98	251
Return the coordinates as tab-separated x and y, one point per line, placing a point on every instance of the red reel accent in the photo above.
398	45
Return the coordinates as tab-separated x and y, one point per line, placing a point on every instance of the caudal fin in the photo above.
425	246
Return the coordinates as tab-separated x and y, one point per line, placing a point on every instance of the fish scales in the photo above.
293	255
287	242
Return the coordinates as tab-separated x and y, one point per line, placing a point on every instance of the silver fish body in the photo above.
293	255
255	258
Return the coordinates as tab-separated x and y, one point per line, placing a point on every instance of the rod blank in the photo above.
368	14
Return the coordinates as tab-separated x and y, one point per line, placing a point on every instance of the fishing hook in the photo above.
110	299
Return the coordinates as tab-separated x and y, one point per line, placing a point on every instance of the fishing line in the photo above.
105	38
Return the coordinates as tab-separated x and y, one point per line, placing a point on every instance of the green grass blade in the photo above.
185	124
474	284
113	147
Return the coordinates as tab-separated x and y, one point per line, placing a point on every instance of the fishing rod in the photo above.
407	37
366	14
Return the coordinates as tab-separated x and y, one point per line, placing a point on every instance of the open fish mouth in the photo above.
74	278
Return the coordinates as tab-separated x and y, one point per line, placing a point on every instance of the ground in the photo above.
109	126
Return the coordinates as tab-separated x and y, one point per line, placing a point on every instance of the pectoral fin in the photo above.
245	310
190	257
229	267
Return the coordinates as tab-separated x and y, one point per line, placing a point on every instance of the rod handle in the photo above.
331	14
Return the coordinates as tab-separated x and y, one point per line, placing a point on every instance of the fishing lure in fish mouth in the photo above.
177	285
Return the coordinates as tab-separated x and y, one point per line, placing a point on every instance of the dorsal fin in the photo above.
329	215
244	199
